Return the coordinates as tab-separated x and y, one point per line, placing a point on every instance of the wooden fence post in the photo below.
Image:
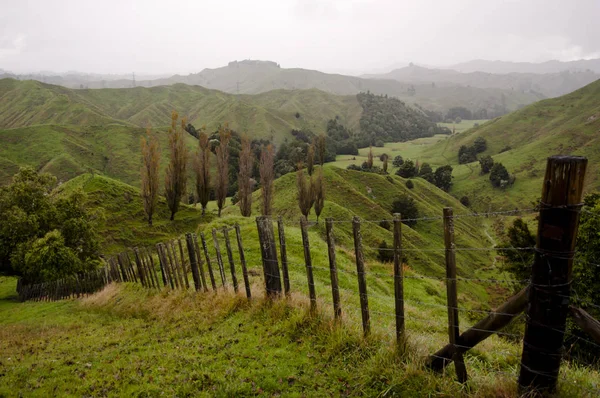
219	257
283	253
161	262
398	280
308	263
122	267
230	258
172	264
164	263
243	260
335	290
551	273
153	267
208	264
200	266
266	236
184	270
138	263
362	280
452	294
193	261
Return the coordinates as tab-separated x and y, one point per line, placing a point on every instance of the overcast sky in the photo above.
185	36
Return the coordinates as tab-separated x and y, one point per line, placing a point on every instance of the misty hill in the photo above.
547	84
553	66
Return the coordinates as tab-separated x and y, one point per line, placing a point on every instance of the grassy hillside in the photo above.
566	125
269	115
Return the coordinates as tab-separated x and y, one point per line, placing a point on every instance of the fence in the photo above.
544	300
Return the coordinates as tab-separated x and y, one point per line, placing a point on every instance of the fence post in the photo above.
230	258
283	252
200	266
335	290
146	267
362	280
172	264
398	280
451	293
163	265
164	262
219	257
208	264
138	263
122	267
243	260
266	236
551	273
308	264
150	265
184	270
193	263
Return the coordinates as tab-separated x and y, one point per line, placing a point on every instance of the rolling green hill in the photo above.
566	125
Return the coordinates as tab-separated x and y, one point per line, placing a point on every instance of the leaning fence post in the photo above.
138	263
172	264
219	257
335	290
184	270
308	263
161	262
362	280
551	273
193	263
230	258
451	292
398	280
243	260
266	236
283	252
208	264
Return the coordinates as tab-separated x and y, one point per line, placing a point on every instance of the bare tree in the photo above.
222	152
305	192
176	178
318	192
245	177
267	174
310	159
149	172
202	168
370	158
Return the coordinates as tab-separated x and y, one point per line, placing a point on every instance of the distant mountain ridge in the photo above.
553	66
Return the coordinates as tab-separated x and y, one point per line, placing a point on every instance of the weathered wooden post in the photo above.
193	263
161	262
138	263
219	257
172	264
199	258
153	268
335	290
184	270
283	253
362	280
308	263
208	264
398	280
238	235
230	258
268	249
164	263
552	273
452	294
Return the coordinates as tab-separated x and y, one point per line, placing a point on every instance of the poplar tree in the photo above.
202	168
175	176
245	177
149	174
222	152
267	175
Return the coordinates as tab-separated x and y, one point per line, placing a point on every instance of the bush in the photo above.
426	172
480	144
442	178
466	154
353	167
406	206
398	161
379	144
385	253
505	149
407	170
385	224
465	201
486	163
499	175
410	184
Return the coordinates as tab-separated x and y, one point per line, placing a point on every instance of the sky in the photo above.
345	36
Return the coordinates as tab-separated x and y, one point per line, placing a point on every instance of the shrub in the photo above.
505	149
398	161
410	184
354	167
406	206
407	170
498	174
486	163
385	224
442	178
385	253
480	144
426	172
465	201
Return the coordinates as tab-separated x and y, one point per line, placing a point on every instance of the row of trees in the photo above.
176	175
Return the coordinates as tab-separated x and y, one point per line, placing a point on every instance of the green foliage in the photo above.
39	229
410	184
442	178
465	201
518	262
388	119
407	170
406	206
385	253
480	144
398	161
466	154
499	176
426	172
486	163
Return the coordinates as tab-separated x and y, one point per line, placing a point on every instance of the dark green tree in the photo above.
498	174
426	172
486	163
398	161
480	144
407	170
442	178
406	206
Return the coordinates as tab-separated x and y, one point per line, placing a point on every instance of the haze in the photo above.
347	36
